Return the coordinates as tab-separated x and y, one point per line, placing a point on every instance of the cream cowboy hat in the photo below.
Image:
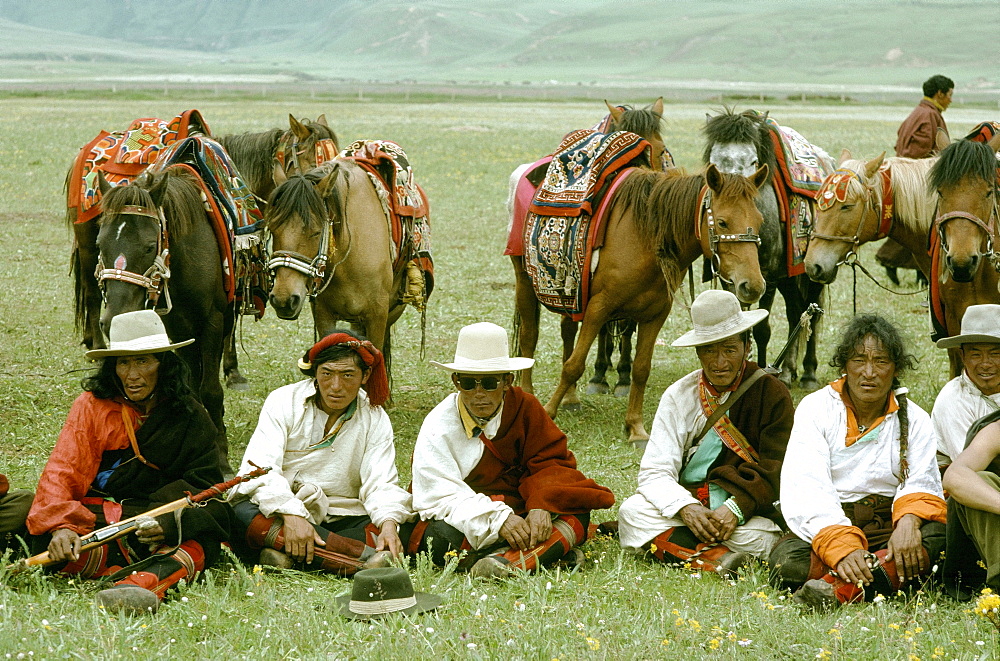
136	333
716	315
482	349
980	323
384	591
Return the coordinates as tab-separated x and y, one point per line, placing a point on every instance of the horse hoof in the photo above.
809	384
787	380
572	407
597	388
622	391
237	383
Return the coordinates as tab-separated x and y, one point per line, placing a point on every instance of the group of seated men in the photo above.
842	495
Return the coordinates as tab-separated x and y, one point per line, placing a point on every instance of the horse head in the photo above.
965	181
731	230
304	146
647	123
303	216
847	216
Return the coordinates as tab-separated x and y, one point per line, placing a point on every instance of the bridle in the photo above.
988	228
156	277
714	238
834	190
325	149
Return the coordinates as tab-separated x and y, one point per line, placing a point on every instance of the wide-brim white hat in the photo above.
482	349
716	314
135	334
980	323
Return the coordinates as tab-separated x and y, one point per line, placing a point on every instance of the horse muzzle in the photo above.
963	270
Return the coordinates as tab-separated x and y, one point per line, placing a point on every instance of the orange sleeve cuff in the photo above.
834	543
923	505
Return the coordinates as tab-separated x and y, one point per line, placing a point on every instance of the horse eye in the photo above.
151	248
846	207
722	223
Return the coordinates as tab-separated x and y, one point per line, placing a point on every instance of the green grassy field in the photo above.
616	607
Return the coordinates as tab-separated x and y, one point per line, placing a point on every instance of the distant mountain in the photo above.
884	42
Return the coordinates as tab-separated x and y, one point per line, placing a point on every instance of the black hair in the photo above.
336	352
883	330
173	378
936	84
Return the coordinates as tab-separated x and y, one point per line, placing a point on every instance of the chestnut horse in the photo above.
140	223
331	237
658	224
965	181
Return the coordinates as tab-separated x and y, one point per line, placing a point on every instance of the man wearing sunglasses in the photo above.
493	478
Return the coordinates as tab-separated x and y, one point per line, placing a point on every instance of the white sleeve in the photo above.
663	459
923	475
271	493
380	492
809	499
951	419
440	492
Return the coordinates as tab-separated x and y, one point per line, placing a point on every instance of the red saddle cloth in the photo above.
124	155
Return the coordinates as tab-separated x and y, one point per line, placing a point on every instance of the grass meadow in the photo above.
617	606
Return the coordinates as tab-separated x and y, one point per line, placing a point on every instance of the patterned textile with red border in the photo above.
405	202
984	132
559	253
123	156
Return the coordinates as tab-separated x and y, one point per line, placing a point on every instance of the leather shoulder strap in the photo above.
721	411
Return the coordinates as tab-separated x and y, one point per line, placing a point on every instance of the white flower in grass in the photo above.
745	642
184	599
430	629
249	594
472	646
484	597
519	605
548	585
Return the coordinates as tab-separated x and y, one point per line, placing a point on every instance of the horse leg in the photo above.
526	318
230	362
574	366
623	387
644	344
598	384
567	329
814	294
88	292
762	331
794	307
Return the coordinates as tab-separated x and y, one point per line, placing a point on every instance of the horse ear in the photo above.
322	120
994	143
158	189
103	184
941	140
657	106
327	184
616	113
872	166
845	155
298	128
759	177
713	178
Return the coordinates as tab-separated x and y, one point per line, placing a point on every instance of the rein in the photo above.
156	277
714	238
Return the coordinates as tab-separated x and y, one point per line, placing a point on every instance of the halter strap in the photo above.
156	277
834	190
705	208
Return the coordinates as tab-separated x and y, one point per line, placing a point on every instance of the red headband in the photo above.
378	382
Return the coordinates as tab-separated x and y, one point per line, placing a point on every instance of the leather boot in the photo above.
717	558
341	555
566	533
142	591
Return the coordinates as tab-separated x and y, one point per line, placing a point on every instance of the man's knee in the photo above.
439	538
790	561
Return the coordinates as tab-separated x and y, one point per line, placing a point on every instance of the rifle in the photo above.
804	321
115	530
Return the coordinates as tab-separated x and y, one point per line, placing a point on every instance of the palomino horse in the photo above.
647	123
965	181
332	247
140	224
648	244
738	143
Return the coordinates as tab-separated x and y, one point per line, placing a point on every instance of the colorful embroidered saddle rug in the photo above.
579	169
559	254
603	126
236	219
123	156
404	202
984	132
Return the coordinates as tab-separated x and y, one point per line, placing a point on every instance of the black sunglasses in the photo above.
488	383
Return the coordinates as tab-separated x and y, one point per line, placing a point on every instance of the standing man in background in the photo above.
916	135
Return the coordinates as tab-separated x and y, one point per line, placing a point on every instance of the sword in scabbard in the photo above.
805	321
120	529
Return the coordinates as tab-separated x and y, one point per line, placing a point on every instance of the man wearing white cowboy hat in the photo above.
976	391
708	479
492	474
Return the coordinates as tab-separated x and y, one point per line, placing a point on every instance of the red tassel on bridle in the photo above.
377	386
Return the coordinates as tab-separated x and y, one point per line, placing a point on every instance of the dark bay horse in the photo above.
332	216
658	225
738	143
647	123
965	182
157	248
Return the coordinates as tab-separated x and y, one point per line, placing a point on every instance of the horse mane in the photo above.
181	203
641	121
253	155
961	159
298	198
747	127
913	204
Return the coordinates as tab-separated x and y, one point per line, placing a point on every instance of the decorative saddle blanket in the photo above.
603	126
984	132
404	202
238	222
579	169
124	155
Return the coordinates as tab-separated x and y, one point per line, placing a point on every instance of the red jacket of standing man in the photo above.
917	133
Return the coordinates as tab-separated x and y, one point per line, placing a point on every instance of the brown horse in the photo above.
332	247
648	245
965	181
143	223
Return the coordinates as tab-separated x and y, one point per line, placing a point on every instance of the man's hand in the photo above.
726	522
300	538
150	535
516	532
388	538
854	568
703	522
65	545
540	523
906	548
